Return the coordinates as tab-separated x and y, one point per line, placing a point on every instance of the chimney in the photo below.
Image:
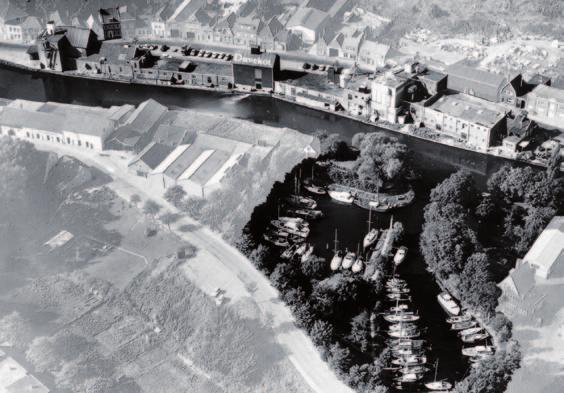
50	27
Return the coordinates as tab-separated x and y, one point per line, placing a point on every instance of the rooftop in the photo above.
263	59
472	109
153	154
548	250
317	82
310	18
548	92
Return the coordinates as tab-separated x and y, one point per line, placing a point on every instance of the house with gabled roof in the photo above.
308	23
223	29
372	54
11	18
272	35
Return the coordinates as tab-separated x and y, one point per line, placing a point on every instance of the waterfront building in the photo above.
110	19
372	55
31	28
486	85
64	124
159	23
358	96
470	120
390	90
11	18
545	105
315	90
434	82
255	70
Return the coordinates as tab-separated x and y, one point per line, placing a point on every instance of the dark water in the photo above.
433	162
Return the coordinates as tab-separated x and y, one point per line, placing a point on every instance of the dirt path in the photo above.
222	263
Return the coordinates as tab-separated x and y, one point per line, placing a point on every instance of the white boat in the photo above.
463	325
315	189
337	260
410	360
358	265
341	196
398	290
400	255
401	318
308	254
469	331
409	378
400	307
301	202
459	318
289	252
348	260
478	350
370	238
438	385
338	255
292	228
404	334
400	297
301	249
448	303
293	220
472	338
402	326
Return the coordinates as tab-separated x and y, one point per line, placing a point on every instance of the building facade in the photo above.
255	70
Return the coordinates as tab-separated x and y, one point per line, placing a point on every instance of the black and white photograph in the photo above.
281	196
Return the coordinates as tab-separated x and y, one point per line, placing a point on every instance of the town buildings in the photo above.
373	55
389	90
110	20
469	120
64	124
545	104
11	18
255	70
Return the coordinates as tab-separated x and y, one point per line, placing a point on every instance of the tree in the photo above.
459	188
502	326
151	208
365	378
135	199
175	195
169	218
284	277
535	222
258	256
476	288
322	333
360	330
339	358
315	267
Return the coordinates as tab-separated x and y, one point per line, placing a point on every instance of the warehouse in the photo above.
256	70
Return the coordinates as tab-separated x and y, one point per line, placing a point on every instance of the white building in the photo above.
547	251
545	105
65	124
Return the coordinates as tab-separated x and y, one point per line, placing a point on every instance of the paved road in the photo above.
225	260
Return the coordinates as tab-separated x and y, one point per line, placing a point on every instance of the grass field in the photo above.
113	310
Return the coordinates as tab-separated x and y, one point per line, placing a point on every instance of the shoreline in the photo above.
235	91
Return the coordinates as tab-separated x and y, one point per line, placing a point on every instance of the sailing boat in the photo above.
372	234
438	385
311	187
337	256
350	258
358	265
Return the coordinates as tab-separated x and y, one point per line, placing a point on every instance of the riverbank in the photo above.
407	129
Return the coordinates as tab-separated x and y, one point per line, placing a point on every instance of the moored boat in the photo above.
341	196
400	308
401	318
301	249
276	240
478	350
370	238
308	254
459	318
291	228
463	325
310	214
400	297
410	361
448	303
358	265
348	260
469	331
301	202
472	338
400	255
404	334
289	252
338	256
438	385
315	189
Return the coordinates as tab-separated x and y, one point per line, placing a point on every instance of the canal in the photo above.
432	162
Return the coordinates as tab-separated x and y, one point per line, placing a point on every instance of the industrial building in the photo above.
255	70
545	104
475	122
65	124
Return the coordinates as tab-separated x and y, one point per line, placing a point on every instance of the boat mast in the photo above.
369	217
436	369
336	241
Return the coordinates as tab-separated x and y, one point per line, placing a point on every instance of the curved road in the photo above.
226	260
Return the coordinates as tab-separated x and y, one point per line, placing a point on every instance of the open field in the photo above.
112	310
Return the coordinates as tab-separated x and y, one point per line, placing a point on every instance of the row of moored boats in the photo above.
409	360
474	336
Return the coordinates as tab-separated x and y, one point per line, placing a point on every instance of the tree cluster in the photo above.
450	246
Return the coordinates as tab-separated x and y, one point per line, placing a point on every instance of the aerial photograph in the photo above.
281	196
